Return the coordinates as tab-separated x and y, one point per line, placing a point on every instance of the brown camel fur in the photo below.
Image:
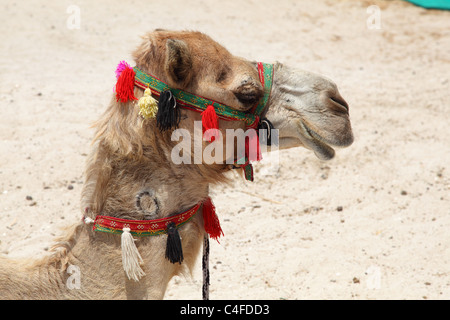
130	156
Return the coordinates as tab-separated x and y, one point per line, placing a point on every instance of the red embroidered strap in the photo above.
141	228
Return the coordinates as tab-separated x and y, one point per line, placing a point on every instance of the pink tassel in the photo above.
121	67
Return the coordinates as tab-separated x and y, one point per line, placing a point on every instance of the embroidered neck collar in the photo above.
131	259
142	228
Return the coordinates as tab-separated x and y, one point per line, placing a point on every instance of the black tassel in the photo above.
174	251
168	115
264	131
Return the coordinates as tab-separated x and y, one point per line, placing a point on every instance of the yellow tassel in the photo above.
148	105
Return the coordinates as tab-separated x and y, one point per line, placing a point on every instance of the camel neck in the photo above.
147	188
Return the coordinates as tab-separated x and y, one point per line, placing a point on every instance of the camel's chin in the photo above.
312	141
323	151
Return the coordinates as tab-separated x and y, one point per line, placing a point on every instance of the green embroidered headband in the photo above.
188	100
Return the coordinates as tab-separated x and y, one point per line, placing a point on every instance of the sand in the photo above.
373	223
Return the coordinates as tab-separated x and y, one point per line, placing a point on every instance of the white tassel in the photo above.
131	258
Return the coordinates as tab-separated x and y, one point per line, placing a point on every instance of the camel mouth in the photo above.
312	140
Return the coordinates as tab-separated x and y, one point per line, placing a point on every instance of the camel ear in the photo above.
178	62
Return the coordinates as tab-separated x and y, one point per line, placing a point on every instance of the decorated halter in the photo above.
167	113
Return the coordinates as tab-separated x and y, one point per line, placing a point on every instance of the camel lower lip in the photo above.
312	140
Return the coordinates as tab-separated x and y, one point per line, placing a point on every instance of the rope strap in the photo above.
205	268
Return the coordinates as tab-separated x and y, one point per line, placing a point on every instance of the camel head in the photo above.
306	108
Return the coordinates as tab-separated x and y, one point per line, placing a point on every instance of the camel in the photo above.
129	173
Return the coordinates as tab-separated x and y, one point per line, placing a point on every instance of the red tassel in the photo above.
210	121
253	142
125	85
210	220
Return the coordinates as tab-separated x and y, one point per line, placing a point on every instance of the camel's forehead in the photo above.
199	44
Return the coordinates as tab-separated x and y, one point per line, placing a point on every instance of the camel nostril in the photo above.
339	104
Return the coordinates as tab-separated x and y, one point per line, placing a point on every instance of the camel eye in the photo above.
223	75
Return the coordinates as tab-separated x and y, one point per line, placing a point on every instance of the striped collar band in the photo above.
155	227
141	228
